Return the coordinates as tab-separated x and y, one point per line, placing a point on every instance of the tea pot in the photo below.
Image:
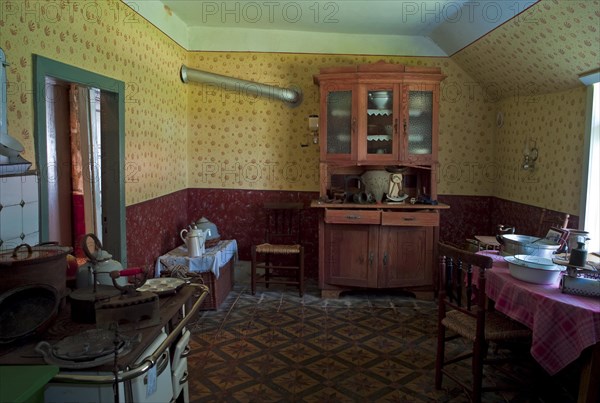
194	239
204	224
99	266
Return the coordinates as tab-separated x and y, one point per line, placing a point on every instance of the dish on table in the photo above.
525	272
538	262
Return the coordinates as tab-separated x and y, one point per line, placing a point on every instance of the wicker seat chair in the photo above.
280	260
462	310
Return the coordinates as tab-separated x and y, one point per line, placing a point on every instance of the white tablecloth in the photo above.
211	261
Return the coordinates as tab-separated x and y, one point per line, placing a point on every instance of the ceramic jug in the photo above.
194	239
376	182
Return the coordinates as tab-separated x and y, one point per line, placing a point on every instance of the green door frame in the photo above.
113	147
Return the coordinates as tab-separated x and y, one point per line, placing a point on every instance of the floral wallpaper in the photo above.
529	68
555	125
240	141
197	136
542	50
108	38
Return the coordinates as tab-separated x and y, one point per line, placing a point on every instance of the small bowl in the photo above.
381	103
381	99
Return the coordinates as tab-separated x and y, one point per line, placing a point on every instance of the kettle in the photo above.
194	239
99	266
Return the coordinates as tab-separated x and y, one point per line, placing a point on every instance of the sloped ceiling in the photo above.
542	50
365	27
520	47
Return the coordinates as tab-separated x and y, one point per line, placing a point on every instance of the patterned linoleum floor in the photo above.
372	347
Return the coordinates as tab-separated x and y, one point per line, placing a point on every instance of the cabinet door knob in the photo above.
385	258
371	257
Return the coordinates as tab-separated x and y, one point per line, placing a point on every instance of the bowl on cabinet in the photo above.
380	99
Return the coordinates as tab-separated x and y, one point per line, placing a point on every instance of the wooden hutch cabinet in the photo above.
375	117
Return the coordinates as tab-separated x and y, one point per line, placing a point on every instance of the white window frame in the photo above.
590	189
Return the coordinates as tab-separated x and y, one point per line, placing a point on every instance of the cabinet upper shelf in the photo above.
380	72
379	137
383	205
379	112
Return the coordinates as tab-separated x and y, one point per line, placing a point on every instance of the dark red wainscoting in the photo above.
467	216
238	215
153	226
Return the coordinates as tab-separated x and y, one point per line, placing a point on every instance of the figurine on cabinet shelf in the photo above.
395	186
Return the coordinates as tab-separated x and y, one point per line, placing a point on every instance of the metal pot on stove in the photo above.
44	264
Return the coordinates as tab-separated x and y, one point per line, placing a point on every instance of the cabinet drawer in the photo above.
352	217
411	219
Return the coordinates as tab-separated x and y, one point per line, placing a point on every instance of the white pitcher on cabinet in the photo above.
194	239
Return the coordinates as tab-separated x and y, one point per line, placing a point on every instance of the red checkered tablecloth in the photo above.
563	325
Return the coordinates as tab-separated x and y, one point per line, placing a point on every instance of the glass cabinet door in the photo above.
378	132
420	123
339	123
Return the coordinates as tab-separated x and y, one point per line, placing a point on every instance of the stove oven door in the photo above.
180	369
144	388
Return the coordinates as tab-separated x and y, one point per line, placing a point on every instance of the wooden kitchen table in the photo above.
564	327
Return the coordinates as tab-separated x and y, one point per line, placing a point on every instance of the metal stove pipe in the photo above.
292	97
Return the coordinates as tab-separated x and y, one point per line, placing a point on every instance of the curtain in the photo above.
78	209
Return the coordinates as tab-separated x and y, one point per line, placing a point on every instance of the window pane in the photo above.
592	213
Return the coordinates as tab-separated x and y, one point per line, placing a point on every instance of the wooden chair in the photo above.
462	310
548	220
282	254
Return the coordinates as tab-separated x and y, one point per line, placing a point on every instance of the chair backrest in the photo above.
550	219
456	275
283	221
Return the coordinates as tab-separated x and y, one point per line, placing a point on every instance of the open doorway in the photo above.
92	200
74	161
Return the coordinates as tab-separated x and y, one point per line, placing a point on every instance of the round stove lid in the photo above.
81	354
87	345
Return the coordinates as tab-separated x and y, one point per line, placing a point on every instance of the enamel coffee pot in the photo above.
194	240
100	264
